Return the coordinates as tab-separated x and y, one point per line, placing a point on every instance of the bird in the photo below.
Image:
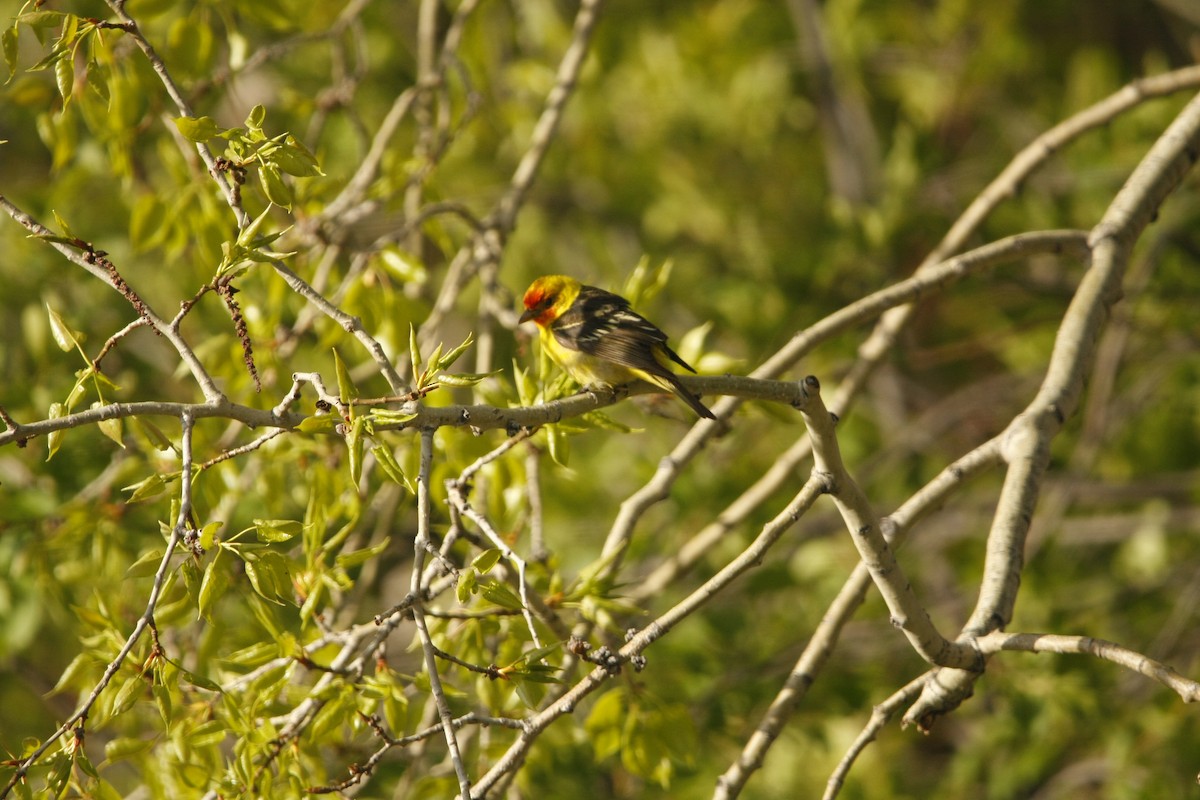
599	339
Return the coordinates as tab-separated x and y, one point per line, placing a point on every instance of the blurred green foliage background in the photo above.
698	135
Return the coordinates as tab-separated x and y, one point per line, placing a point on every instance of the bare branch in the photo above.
997	641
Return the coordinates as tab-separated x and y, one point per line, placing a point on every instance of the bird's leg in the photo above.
605	392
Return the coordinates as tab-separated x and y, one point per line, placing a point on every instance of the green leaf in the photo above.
216	581
255	655
110	427
59	777
435	358
208	535
414	350
69	31
103	790
453	355
127	695
296	159
346	390
333	714
42	20
198	129
10	45
526	388
268	574
85	765
208	734
487	559
464	379
145	566
355	442
387	462
149	487
256	118
66	339
126	747
77	391
538	654
246	237
276	189
54	439
64	76
646	281
50	58
76	673
605	723
322	423
557	444
277	530
387	416
97	81
357	557
198	680
468	581
499	594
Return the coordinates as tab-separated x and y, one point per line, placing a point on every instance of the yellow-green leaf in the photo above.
468	580
357	557
256	118
387	462
214	584
453	355
145	566
110	427
54	439
501	595
322	423
463	379
277	530
198	129
414	350
388	416
487	559
346	390
64	337
126	747
557	444
9	39
355	442
149	487
64	75
276	188
208	534
296	159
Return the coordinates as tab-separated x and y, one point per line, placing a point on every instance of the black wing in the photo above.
602	324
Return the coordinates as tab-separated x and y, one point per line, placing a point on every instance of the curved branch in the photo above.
1027	439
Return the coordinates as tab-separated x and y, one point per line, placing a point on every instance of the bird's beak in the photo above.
529	314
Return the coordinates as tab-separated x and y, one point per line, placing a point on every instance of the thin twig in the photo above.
423	539
881	715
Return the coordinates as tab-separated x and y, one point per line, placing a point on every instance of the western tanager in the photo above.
598	339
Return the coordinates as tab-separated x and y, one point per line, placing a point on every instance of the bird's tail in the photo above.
679	390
